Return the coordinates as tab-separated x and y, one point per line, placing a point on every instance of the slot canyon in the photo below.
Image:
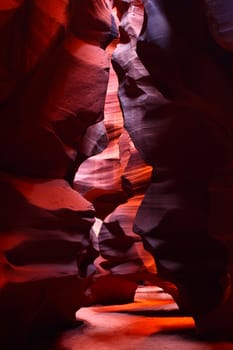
116	160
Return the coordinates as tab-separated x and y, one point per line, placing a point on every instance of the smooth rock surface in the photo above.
151	322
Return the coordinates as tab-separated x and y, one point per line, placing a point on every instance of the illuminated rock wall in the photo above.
81	191
115	182
54	73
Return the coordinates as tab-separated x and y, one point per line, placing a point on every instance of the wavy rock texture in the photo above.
121	250
46	101
99	177
175	87
119	177
175	90
52	96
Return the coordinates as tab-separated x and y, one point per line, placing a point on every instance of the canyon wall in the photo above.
175	89
87	184
66	230
54	73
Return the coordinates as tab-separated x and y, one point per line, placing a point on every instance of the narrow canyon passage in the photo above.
87	181
153	320
115	181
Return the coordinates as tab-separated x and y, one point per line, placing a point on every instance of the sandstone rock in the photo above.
103	28
43	213
45	253
121	250
119	174
185	122
136	174
175	90
47	115
99	177
196	127
53	87
44	120
29	32
220	15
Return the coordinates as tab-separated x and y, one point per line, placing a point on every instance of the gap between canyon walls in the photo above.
115	181
59	253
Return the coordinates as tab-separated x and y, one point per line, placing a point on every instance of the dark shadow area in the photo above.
47	344
154	313
51	340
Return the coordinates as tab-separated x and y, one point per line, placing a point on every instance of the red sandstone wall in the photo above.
54	73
